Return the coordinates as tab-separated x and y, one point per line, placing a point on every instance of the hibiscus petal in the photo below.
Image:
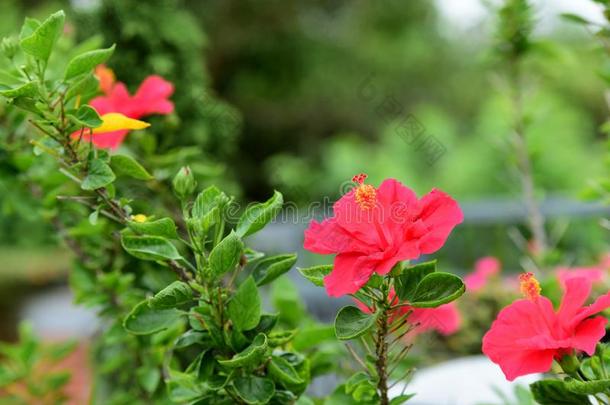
108	140
117	100
117	122
599	305
106	78
350	272
520	340
445	319
358	222
577	291
588	333
441	214
328	237
152	97
517	364
595	274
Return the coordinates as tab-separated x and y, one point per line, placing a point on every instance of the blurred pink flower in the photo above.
444	319
594	274
484	268
152	97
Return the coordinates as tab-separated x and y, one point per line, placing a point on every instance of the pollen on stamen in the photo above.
530	287
365	195
359	178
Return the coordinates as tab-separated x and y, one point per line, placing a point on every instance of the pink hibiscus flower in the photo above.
484	268
444	319
528	334
594	274
374	228
152	97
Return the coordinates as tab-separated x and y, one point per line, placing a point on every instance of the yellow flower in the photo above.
139	218
116	122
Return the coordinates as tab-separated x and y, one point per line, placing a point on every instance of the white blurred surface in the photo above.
54	315
466	381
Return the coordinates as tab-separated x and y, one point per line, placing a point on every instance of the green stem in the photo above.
381	352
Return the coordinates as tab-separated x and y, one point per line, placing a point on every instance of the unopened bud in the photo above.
9	47
184	183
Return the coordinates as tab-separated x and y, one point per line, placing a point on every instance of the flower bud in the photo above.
184	183
9	47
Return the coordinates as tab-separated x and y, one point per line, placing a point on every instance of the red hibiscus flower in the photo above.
484	268
152	97
528	334
444	319
374	228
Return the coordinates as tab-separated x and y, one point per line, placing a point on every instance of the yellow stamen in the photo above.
139	218
365	194
530	287
116	122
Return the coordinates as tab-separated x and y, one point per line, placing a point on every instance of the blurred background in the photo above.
300	96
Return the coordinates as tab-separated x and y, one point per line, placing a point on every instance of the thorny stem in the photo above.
381	351
535	217
119	214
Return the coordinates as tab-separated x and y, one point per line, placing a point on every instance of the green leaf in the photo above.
407	281
254	390
283	372
554	392
29	89
148	378
280	338
401	399
316	274
57	380
98	176
287	301
575	18
174	295
84	87
586	387
312	336
191	337
226	255
144	320
41	41
85	62
29	26
61	350
267	322
183	388
128	166
351	323
206	200
258	215
86	116
272	267
250	356
245	307
164	227
437	289
355	380
150	248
